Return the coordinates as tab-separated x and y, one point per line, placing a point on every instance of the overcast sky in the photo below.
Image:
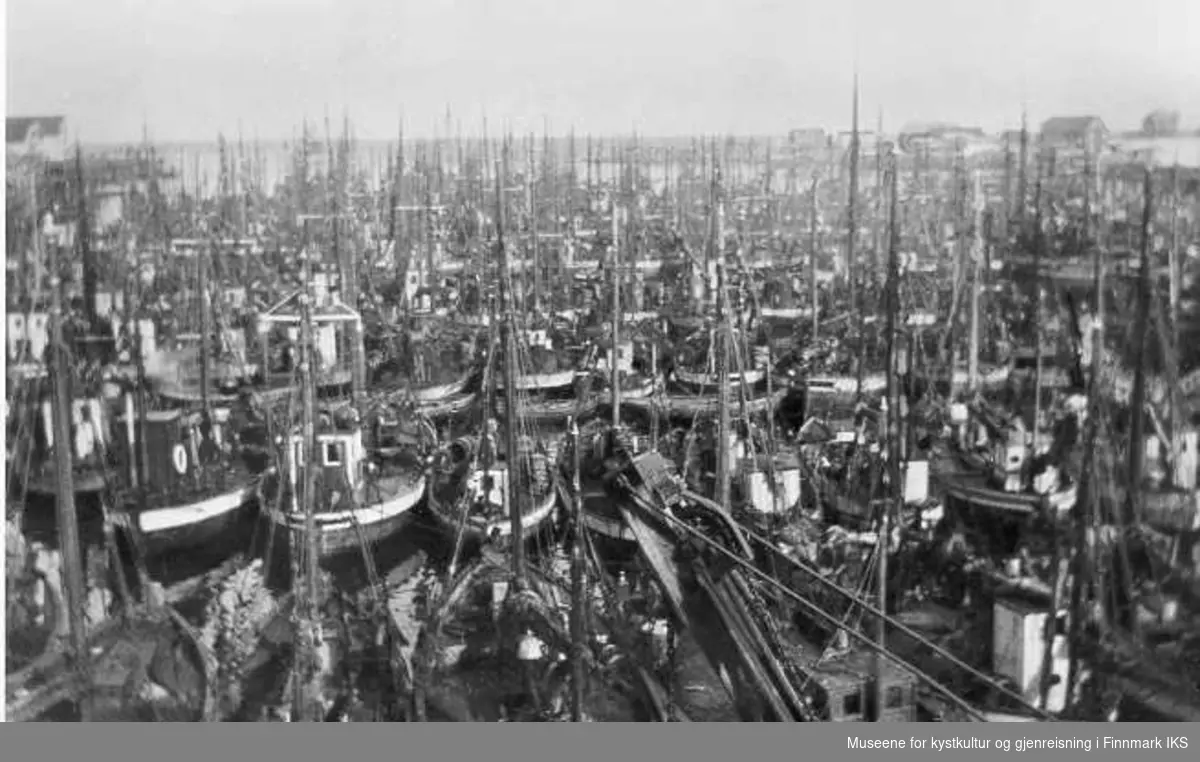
667	67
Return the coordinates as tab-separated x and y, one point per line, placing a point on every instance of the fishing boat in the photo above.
365	501
352	500
188	483
553	393
279	334
91	431
687	407
467	498
994	471
433	366
479	489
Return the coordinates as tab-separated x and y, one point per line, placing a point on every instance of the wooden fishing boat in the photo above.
442	392
751	378
462	501
844	388
636	386
534	382
195	486
999	484
364	502
687	407
551	410
449	407
92	458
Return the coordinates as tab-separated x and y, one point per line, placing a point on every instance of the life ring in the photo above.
180	459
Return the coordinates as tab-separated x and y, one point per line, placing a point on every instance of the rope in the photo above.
871	644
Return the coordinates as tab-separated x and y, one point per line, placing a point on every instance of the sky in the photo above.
190	70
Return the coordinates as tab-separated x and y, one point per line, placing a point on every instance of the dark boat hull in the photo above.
448	407
477	529
343	532
204	521
87	481
555	411
682	407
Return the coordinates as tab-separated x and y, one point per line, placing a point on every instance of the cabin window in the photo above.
1060	625
852	704
333	454
895	697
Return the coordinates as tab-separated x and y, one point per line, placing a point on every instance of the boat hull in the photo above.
448	407
711	381
553	411
442	392
478	529
642	389
193	523
342	532
971	489
533	382
687	407
87	481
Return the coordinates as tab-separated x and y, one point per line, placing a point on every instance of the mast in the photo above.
511	399
1173	265
310	605
722	335
1023	167
1038	243
893	425
202	290
68	520
533	227
851	213
976	283
1088	482
578	589
815	298
90	276
614	366
1137	428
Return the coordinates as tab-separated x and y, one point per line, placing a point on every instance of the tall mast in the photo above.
533	227
1039	242
310	602
815	294
1088	480
578	588
90	276
852	206
511	398
722	335
976	283
68	526
1023	167
1137	426
614	366
202	253
893	425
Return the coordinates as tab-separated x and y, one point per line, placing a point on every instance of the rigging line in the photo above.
864	639
875	611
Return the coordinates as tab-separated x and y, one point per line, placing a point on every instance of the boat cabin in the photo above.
844	688
28	336
89	430
1019	647
175	449
765	497
491	487
328	313
339	456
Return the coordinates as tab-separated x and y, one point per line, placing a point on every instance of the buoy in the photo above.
530	648
180	459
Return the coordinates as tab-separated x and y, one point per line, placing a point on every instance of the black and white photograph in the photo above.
626	361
